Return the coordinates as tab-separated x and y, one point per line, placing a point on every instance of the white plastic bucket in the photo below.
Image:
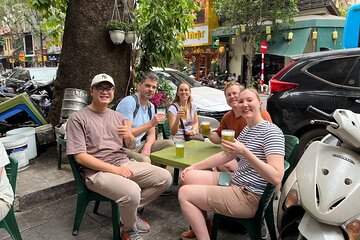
30	133
16	147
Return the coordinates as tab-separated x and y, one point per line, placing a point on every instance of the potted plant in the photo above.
117	30
130	35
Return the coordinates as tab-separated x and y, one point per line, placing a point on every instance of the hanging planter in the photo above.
130	37
121	29
117	36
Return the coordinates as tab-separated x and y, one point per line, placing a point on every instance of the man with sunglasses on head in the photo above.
140	116
96	136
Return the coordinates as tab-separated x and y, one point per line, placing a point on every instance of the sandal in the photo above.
190	235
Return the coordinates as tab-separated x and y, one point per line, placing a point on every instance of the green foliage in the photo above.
117	25
164	86
21	16
160	22
46	6
2	42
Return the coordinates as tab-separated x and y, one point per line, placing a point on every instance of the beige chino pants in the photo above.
148	183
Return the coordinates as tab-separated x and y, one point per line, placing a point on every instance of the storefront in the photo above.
198	52
312	33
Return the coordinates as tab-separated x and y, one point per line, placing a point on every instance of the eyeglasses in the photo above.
103	90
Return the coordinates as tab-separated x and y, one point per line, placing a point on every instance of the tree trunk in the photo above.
87	50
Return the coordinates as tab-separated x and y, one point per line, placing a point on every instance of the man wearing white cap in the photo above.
96	136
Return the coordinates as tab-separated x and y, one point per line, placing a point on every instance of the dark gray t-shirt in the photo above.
95	133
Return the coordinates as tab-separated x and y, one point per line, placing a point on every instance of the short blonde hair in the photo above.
230	84
253	90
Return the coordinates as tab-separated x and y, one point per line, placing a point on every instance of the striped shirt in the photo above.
263	139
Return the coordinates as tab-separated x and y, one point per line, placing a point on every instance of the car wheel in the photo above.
307	138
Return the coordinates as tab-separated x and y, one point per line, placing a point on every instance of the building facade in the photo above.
318	27
198	52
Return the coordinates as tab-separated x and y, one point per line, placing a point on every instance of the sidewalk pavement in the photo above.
46	202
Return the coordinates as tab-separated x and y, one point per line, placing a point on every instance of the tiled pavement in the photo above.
46	200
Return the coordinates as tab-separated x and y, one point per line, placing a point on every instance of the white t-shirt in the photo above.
188	123
6	192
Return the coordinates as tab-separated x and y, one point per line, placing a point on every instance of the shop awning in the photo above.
283	47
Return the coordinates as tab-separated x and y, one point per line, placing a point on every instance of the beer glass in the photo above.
228	135
205	128
184	108
162	111
180	148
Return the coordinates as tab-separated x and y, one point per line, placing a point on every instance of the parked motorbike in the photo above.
39	93
319	200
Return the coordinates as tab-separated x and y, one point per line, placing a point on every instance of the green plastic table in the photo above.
195	151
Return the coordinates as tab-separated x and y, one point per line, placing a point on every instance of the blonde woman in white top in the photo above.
183	107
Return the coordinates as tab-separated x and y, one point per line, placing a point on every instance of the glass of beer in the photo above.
228	135
180	148
162	111
184	108
205	128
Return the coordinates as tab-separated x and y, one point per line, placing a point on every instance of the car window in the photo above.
43	74
333	70
21	74
168	77
354	76
192	82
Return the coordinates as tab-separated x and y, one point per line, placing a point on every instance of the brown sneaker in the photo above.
188	235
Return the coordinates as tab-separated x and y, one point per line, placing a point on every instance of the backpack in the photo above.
148	105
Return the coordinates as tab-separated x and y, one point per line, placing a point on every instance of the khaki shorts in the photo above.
232	201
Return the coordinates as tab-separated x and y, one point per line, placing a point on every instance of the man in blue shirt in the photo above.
143	120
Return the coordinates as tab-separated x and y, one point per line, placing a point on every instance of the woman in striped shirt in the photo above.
259	151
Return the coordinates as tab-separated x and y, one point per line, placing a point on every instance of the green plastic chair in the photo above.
291	146
85	196
165	129
9	222
252	225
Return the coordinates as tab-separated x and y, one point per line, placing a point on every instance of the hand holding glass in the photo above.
228	135
184	108
205	128
162	112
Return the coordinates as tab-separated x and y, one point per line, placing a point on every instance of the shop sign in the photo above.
52	58
197	35
22	56
40	60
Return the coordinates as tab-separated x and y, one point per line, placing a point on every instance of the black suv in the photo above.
327	80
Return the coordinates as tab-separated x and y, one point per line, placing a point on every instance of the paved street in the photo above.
47	210
54	221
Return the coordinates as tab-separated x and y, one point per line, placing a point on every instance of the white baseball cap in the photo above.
102	77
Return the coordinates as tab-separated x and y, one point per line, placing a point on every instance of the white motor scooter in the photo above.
321	197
